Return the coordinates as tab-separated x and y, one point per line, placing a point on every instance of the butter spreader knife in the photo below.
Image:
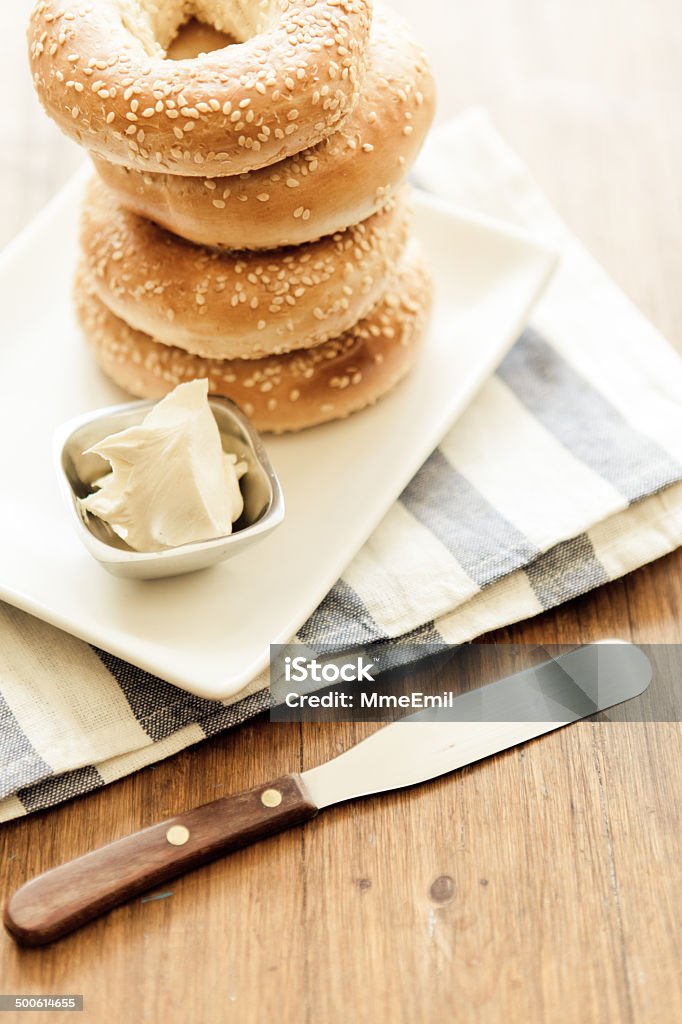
414	749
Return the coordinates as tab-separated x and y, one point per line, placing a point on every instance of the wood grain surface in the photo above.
542	886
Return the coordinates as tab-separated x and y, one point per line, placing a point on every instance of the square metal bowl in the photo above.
262	492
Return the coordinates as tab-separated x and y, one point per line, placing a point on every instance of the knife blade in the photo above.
414	749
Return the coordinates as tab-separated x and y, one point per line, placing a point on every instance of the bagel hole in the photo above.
196	37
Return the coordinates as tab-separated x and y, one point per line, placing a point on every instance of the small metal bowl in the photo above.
263	499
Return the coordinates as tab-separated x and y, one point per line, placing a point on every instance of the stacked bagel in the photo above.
249	221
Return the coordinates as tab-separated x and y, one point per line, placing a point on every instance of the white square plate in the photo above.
210	632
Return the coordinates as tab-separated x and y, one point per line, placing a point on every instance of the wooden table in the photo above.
543	886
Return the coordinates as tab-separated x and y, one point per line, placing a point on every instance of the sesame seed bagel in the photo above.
101	72
341	181
227	305
279	393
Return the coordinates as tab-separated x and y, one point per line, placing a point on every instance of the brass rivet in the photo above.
271	798
177	835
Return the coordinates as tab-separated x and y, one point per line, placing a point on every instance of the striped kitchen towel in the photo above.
564	473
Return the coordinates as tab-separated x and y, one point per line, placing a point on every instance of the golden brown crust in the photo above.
100	71
279	393
341	181
237	305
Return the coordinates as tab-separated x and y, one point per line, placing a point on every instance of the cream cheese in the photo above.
170	482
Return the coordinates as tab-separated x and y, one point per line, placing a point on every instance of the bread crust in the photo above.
228	305
339	182
279	393
101	72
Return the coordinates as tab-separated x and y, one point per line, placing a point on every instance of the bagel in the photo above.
279	393
237	305
341	181
100	70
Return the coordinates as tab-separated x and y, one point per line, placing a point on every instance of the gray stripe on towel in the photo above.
54	790
565	571
20	763
160	708
227	716
583	420
341	621
485	544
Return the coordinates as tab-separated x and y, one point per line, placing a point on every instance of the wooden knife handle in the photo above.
66	897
